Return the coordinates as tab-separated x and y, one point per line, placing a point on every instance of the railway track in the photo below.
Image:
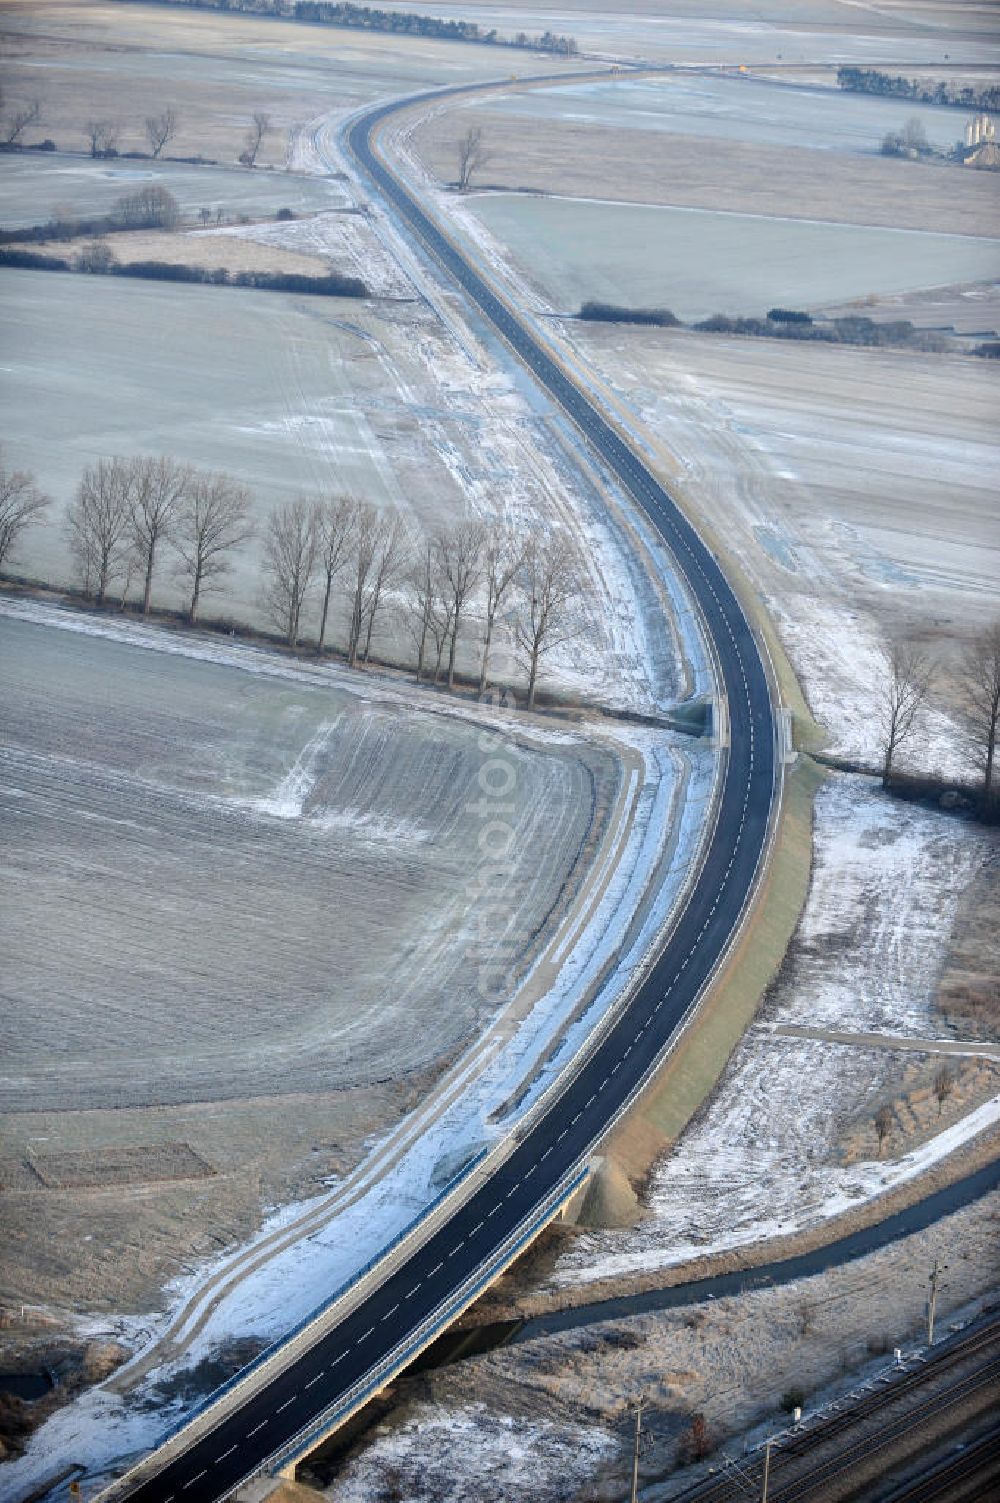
863	1428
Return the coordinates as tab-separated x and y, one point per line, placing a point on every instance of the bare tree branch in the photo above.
156	490
213	520
102	136
391	556
22	505
550	582
981	681
459	552
97	524
160	129
503	556
18	120
472	155
259	127
337	520
426	589
291	550
902	698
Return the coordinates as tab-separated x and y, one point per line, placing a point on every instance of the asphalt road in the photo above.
562	1140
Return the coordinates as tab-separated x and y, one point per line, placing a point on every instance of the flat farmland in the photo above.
36	187
105	60
692	145
305	395
686	31
851	485
248	888
698	261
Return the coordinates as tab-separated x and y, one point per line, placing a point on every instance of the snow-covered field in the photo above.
275	784
317	397
697	262
764	1157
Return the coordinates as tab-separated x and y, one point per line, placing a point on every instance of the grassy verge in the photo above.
692	1069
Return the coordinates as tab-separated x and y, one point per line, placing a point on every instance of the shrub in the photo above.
988	351
161	271
97	258
47	145
792	1398
610	313
285	214
788	316
146	209
33	260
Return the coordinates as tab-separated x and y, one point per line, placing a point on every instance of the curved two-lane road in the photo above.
561	1140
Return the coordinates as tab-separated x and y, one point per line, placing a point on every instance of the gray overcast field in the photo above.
698	261
725	109
796	31
248	887
35	187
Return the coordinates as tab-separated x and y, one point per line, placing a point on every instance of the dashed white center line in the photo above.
286	1403
192	1480
256	1428
314	1380
224	1455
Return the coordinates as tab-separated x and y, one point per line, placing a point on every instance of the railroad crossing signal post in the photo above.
767	1471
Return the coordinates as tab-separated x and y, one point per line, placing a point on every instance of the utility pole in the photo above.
767	1470
634	1496
936	1273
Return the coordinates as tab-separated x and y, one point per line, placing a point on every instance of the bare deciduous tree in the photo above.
160	129
472	155
459	552
16	122
425	588
392	551
102	136
550	582
213	520
903	696
291	549
503	556
21	505
883	1126
982	694
944	1084
379	557
156	489
97	524
336	520
259	127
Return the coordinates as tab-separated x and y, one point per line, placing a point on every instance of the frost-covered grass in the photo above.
702	261
473	1451
762	1158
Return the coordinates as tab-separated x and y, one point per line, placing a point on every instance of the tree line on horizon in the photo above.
460	583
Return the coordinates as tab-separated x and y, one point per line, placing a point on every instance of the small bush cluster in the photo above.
787	323
149	208
611	313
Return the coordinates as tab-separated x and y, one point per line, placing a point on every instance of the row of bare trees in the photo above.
459	583
128	511
470	577
453	589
